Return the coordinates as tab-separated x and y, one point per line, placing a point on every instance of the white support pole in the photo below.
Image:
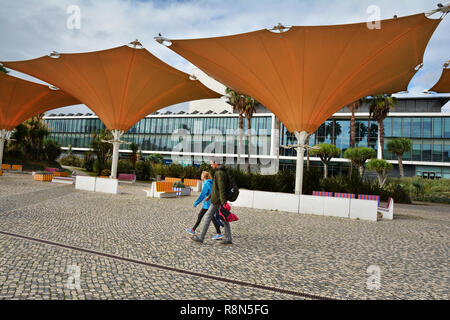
301	139
115	156
275	143
3	137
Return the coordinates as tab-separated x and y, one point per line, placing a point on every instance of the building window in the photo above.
426	133
406	130
416	151
416	128
426	152
437	152
397	127
437	127
447	127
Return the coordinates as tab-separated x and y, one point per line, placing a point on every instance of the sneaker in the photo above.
190	231
217	237
197	239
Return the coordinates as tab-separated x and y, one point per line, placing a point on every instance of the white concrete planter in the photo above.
306	204
245	199
363	209
106	185
275	201
85	183
336	207
312	205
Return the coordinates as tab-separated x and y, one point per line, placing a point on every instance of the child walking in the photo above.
205	197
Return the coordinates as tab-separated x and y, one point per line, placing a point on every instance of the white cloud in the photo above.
32	28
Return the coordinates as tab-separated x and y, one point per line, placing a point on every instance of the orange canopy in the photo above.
21	100
121	85
443	85
306	74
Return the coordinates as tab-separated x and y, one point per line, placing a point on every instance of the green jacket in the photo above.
219	191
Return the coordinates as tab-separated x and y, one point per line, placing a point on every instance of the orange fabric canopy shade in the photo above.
443	85
21	100
306	74
121	85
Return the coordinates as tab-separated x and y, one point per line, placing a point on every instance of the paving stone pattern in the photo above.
315	255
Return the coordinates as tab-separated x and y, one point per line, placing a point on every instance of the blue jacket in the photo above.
206	191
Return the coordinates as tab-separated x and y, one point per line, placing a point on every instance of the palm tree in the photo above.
353	107
37	132
379	107
134	154
399	147
237	101
249	110
102	149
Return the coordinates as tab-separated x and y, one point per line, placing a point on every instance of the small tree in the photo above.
358	156
381	167
325	152
399	146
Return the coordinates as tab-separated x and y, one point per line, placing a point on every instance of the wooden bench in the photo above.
322	194
195	184
168	179
127	177
17	167
6	166
161	189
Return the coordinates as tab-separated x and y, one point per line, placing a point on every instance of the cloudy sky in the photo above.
33	28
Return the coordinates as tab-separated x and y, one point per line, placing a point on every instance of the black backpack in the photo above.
232	187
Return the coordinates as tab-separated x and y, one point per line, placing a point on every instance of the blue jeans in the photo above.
209	216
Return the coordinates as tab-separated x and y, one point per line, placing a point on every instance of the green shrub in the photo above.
427	190
88	161
191	172
143	170
286	180
71	160
175	170
311	180
179	184
124	166
159	169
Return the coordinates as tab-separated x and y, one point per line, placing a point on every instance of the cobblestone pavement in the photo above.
315	255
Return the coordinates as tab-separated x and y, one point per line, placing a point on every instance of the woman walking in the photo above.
207	183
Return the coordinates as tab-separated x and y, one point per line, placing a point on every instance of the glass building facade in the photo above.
429	132
162	134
